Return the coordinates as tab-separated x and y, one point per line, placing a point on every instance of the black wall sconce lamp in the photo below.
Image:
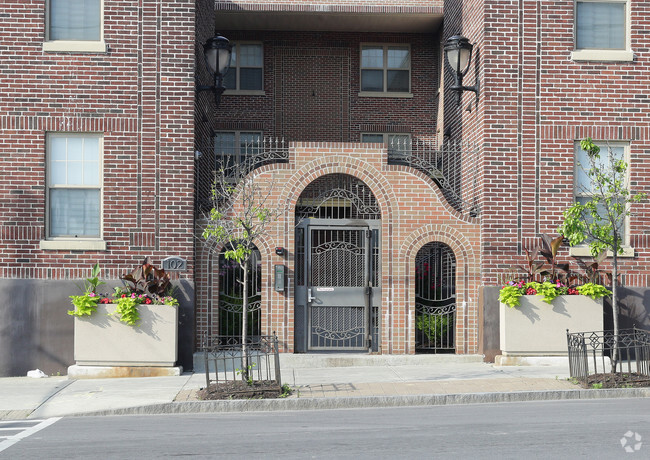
217	52
458	52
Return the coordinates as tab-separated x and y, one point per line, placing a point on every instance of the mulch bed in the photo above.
618	380
263	389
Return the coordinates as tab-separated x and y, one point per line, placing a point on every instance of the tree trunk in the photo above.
615	310
244	323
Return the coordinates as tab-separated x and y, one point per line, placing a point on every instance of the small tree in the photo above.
240	217
600	218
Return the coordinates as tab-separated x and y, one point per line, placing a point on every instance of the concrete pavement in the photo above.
342	381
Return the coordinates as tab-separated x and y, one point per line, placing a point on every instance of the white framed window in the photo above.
74	25
583	188
74	191
385	70
234	148
602	30
246	73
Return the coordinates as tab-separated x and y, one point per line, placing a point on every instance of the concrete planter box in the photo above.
537	328
102	340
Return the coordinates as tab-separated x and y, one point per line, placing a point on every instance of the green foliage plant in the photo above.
86	304
145	285
595	291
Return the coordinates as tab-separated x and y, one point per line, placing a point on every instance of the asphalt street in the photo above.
552	429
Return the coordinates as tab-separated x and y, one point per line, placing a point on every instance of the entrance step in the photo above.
325	360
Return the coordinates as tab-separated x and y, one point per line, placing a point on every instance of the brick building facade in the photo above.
349	89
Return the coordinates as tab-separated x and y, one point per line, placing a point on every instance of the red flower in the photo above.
531	291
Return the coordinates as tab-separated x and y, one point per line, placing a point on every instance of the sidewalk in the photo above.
315	388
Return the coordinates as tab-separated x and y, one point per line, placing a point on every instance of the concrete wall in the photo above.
36	331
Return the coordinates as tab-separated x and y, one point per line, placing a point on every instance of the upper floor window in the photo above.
74	190
385	70
602	30
584	188
74	25
394	142
246	73
234	148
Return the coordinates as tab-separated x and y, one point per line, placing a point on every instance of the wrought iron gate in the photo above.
337	292
337	288
435	299
231	297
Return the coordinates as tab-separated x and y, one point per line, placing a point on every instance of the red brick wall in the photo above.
139	94
537	102
311	83
413	213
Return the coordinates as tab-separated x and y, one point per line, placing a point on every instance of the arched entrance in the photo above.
337	263
435	299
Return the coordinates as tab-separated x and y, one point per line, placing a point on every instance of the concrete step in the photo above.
329	360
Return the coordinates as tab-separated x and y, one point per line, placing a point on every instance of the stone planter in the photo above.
537	328
102	340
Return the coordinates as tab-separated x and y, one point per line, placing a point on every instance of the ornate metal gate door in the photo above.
337	266
435	299
338	288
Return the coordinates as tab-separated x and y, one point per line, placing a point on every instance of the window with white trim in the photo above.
385	69
246	73
602	30
584	188
232	148
74	185
74	25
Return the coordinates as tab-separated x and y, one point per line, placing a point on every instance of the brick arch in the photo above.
467	281
338	164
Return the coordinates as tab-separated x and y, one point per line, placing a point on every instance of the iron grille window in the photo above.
337	196
231	296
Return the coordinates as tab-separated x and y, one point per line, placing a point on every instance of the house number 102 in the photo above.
174	264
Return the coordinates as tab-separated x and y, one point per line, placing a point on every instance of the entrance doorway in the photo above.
435	299
338	290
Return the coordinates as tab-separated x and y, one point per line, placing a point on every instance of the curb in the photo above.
357	402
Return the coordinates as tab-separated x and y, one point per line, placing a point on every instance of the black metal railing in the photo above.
454	166
226	361
592	352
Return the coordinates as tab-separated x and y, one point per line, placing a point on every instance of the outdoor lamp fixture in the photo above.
217	52
458	51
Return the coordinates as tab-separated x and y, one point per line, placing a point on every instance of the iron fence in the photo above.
591	353
454	166
225	360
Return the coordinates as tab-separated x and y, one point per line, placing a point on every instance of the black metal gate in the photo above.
337	292
231	297
435	299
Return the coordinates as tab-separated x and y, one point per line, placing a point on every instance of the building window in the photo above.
74	25
385	69
584	189
602	26
74	185
396	143
246	72
235	148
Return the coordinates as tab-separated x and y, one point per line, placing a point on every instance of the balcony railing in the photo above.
454	166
